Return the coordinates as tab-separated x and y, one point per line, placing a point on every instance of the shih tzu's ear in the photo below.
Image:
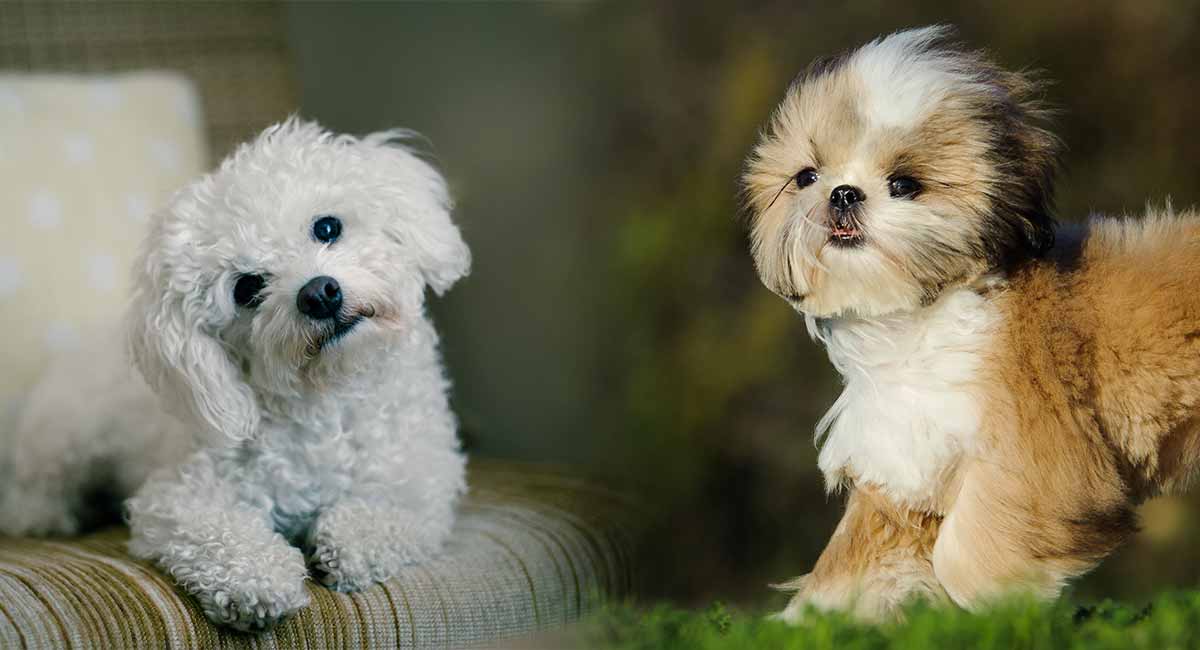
1029	155
177	355
1023	150
421	207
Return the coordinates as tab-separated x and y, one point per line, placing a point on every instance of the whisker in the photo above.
809	256
781	189
808	216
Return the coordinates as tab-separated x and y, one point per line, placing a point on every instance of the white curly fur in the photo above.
285	453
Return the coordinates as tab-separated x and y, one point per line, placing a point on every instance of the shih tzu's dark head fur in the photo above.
895	170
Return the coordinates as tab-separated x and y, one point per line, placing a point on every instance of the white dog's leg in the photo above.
220	549
368	536
84	438
358	543
36	506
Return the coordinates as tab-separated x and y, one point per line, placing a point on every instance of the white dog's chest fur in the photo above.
909	409
300	471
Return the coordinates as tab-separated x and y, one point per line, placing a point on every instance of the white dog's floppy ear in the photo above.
422	219
188	368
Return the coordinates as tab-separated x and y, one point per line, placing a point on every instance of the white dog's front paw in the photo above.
252	610
351	548
324	562
345	562
340	566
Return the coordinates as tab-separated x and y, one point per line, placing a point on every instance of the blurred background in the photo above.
613	320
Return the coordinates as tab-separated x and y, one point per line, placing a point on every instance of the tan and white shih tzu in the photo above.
1008	400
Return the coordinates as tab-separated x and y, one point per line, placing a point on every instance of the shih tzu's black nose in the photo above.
320	298
844	196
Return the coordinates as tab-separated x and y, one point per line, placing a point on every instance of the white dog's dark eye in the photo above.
327	229
806	177
247	292
904	187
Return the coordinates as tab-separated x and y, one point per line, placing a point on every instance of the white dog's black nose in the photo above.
320	298
844	196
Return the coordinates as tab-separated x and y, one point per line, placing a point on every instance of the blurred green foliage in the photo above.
1170	621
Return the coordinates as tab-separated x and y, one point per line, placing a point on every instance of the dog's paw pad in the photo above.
326	566
334	569
246	612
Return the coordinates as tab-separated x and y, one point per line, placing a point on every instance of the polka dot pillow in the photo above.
83	163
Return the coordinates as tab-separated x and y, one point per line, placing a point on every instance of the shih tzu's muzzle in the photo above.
844	228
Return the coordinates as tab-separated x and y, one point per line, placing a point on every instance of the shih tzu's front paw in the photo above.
802	602
876	596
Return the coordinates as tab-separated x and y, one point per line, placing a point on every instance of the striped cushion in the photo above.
534	548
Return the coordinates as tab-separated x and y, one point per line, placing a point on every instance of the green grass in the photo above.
1170	621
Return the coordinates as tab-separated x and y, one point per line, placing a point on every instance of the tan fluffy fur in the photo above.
879	557
1084	379
1092	408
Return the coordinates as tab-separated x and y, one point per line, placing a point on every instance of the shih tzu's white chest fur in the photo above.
909	409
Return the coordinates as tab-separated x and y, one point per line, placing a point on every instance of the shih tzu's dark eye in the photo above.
904	187
806	177
248	290
327	229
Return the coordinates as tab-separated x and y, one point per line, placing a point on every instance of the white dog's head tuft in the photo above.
277	274
894	171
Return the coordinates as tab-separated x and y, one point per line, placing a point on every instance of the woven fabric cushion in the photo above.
83	162
534	548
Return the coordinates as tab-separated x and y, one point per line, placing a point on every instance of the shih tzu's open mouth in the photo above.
342	326
845	237
844	231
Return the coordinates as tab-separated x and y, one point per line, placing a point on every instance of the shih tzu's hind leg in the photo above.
1008	533
878	559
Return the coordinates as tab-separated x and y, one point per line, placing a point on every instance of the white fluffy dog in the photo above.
278	314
